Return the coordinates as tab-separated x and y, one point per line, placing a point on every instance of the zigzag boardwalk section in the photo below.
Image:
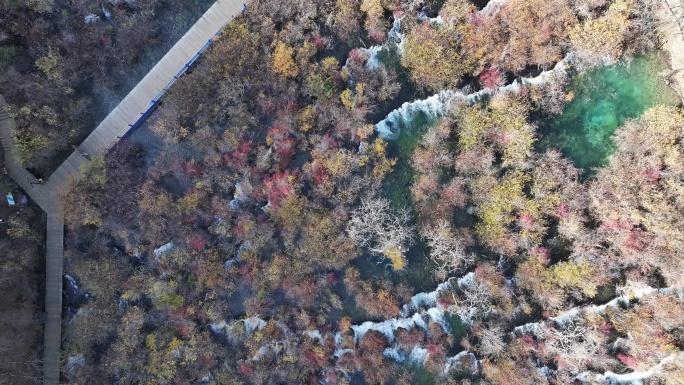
130	112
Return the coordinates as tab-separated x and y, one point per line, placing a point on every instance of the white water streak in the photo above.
492	7
395	40
163	249
432	20
635	378
438	105
568	315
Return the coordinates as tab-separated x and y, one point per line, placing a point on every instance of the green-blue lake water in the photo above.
604	98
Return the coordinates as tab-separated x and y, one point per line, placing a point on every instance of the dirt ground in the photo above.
6	211
21	276
671	15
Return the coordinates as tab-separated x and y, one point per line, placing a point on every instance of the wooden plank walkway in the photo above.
126	116
12	158
154	84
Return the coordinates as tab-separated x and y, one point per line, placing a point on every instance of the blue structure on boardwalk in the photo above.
157	99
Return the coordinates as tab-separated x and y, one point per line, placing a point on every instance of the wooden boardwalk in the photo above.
146	93
127	115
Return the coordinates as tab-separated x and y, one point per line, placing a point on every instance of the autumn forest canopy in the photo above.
360	192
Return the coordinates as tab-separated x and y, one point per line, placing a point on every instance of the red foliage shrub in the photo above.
285	150
239	158
242	226
409	338
183	331
444	302
628	361
526	220
528	339
606	328
319	42
373	341
331	377
652	175
491	78
327	143
542	254
320	175
280	186
475	330
561	363
244	369
193	169
616	225
307	291
281	140
378	35
636	240
316	356
562	211
634	274
358	56
276	133
178	315
455	193
246	273
191	191
206	361
475	19
197	242
435	350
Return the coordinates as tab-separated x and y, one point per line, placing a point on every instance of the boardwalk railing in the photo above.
157	99
125	117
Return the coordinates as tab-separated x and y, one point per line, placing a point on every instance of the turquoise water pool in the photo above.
603	99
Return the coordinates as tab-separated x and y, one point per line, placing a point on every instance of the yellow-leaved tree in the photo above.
601	40
434	56
282	61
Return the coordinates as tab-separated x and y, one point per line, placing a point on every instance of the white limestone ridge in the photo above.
163	249
430	299
314	335
241	194
571	314
395	40
251	325
438	105
492	7
374	52
634	378
433	107
432	20
452	362
419	319
422	310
